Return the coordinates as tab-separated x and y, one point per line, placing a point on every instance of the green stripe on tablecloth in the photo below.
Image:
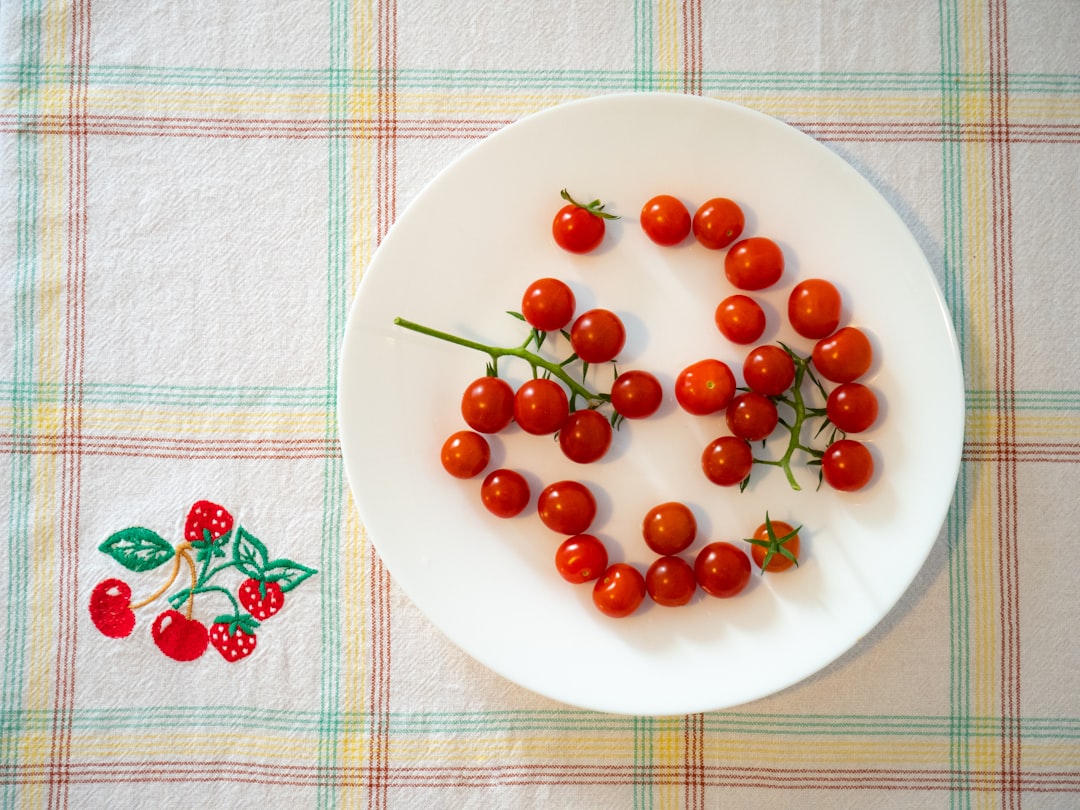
19	532
215	717
195	396
642	77
956	519
336	295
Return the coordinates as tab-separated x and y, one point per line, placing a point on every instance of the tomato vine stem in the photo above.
801	413
554	368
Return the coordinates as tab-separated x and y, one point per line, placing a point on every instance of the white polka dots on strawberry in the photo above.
207	521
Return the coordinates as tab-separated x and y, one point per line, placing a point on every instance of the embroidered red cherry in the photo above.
232	640
206	518
260	598
110	608
179	637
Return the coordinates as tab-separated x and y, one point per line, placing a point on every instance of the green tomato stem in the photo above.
535	361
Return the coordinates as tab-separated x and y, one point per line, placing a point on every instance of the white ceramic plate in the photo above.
462	254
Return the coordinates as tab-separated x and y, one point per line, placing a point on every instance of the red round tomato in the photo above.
670	581
465	454
665	220
548	304
752	416
814	308
505	493
669	528
705	387
852	407
843	356
581	558
636	394
488	404
727	461
620	591
722	569
597	336
754	263
772	543
541	406
579	228
718	223
585	436
769	370
847	465
566	507
740	319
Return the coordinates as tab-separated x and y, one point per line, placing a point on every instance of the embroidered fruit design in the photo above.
260	598
178	636
781	411
214	549
110	608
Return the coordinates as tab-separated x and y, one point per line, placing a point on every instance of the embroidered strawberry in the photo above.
207	521
260	598
179	637
233	637
110	608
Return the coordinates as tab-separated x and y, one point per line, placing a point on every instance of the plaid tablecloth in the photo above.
189	196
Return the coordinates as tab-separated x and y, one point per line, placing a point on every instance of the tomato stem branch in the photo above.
535	361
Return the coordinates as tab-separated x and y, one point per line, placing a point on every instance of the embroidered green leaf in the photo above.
287	573
250	554
138	549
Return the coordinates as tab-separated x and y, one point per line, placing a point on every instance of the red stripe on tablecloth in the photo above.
67	574
387	135
400	129
1005	379
169	447
1014	452
694	761
692	47
481	776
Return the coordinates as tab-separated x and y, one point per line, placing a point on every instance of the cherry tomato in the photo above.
620	591
465	454
581	558
847	465
727	461
768	549
548	304
585	436
665	220
843	356
669	528
705	387
566	507
814	308
769	370
718	223
541	406
636	394
751	416
754	263
488	404
670	581
505	493
597	336
740	319
579	228
722	569
852	407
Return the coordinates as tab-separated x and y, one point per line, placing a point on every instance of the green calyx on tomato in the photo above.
768	544
595	207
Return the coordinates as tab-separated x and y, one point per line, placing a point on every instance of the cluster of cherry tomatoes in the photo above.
556	401
773	374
